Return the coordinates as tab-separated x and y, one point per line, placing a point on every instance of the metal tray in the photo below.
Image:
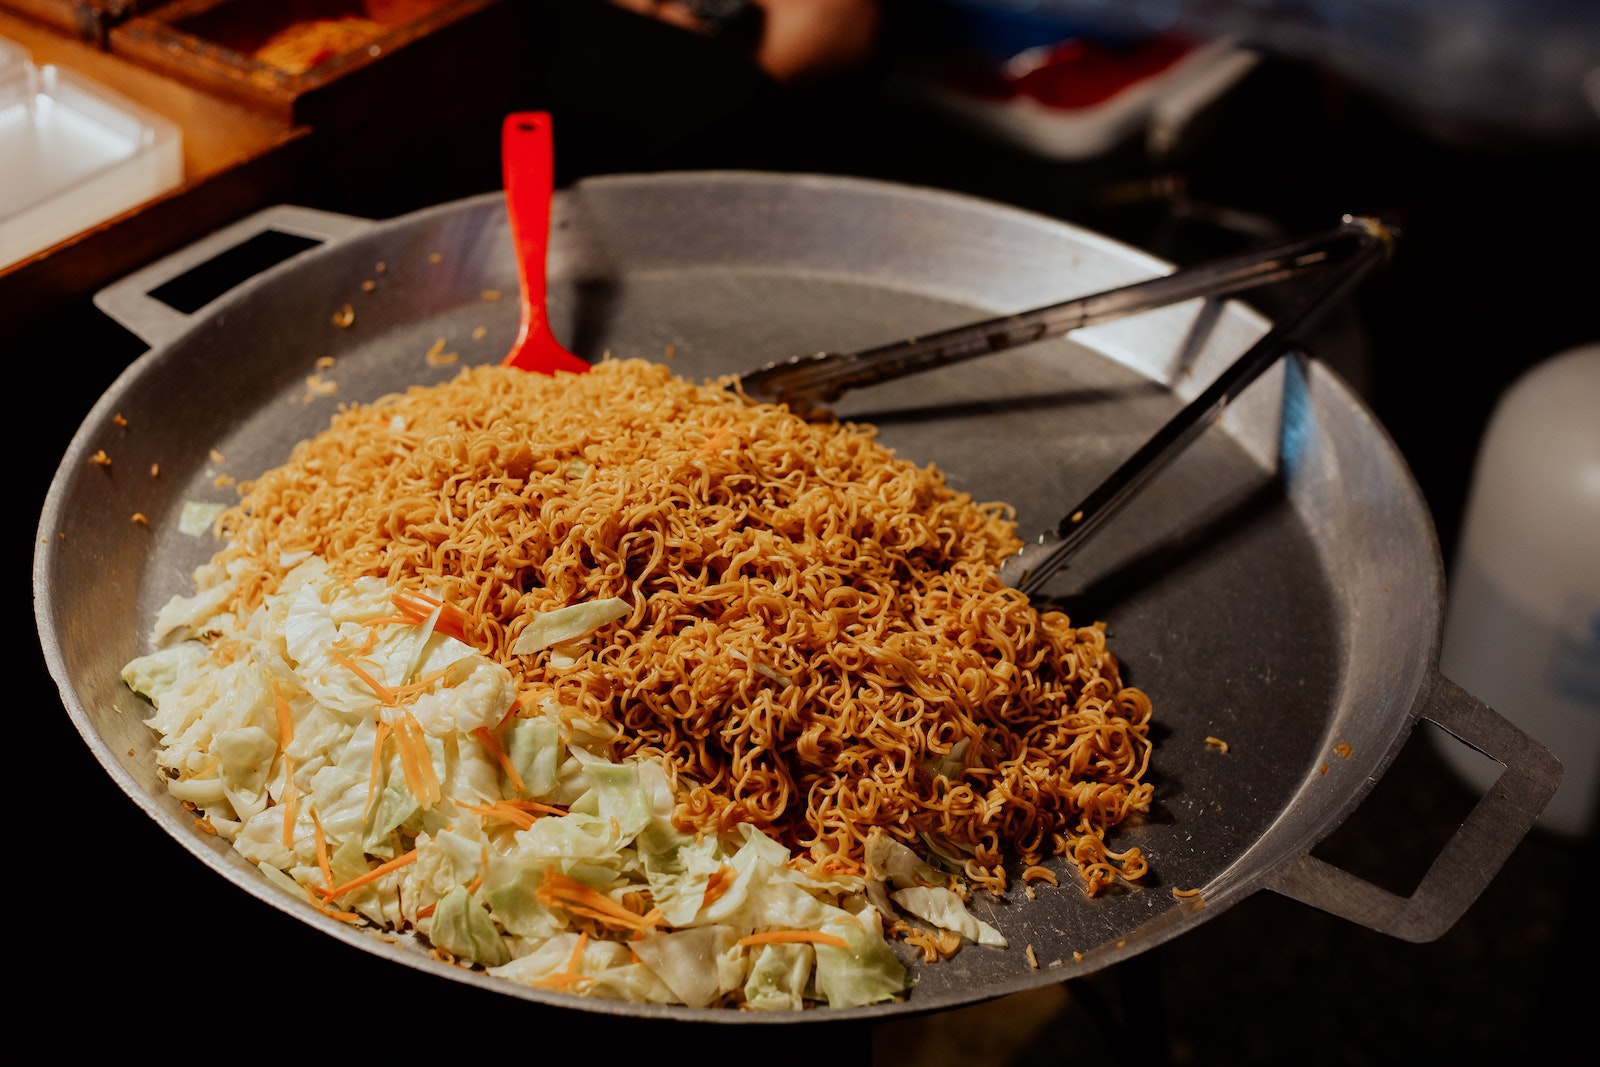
1278	588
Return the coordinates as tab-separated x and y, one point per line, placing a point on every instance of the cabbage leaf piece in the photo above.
944	909
546	628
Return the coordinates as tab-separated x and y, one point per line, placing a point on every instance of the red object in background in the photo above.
1077	72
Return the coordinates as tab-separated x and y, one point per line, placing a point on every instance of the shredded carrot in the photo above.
560	890
420	684
430	780
717	884
452	622
493	744
815	937
533	805
552	981
285	736
367	642
520	819
571	974
408	759
483	862
342	916
378	737
426	910
415	761
390	620
371	876
384	693
322	849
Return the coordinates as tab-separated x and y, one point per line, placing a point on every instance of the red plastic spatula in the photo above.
527	154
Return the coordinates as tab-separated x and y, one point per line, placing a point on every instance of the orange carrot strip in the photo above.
408	759
493	744
420	684
322	849
571	974
532	805
520	819
384	693
378	737
390	620
285	736
452	621
577	952
568	893
344	917
816	937
371	876
555	981
717	884
430	780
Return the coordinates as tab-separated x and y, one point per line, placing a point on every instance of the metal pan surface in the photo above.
1279	588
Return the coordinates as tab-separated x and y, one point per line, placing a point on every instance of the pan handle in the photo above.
130	301
1471	858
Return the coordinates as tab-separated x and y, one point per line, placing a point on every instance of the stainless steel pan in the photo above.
1278	588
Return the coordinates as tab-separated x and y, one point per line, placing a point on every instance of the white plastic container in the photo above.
73	154
1522	621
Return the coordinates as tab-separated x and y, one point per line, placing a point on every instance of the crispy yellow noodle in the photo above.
818	642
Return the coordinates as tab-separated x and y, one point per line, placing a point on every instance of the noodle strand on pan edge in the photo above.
817	642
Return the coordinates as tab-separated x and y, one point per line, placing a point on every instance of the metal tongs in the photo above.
1347	252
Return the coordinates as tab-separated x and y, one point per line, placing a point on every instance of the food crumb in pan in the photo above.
1323	769
438	357
1218	743
380	266
1037	873
491	294
1033	960
222	481
344	317
478	332
155	470
435	258
139	519
1182	893
324	363
1342	750
1077	956
217	457
119	420
100	458
368	286
320	386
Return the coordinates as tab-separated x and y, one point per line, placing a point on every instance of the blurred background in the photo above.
1187	128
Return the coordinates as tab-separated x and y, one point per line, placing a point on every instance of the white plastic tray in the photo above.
72	154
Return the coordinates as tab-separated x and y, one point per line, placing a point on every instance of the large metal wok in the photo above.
1278	589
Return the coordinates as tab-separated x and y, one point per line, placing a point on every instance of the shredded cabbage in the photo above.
449	816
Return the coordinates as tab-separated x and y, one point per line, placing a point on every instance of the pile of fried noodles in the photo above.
817	644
